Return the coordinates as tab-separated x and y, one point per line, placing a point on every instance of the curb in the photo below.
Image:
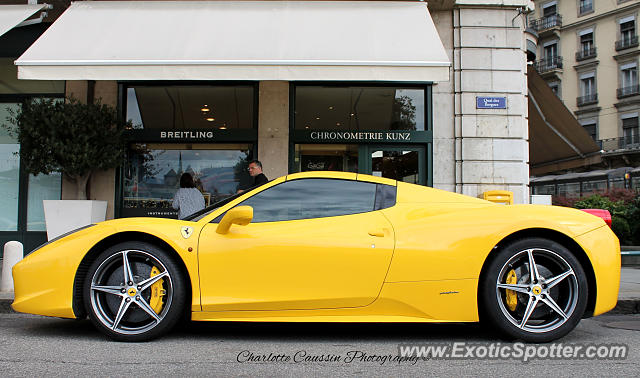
623	307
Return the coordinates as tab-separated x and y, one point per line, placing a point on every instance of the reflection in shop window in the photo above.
359	108
152	173
326	157
9	174
190	107
41	187
396	165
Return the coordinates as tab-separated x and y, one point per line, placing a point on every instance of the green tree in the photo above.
68	137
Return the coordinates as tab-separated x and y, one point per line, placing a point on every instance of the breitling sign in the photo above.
186	134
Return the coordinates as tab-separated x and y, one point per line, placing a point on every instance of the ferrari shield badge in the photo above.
186	231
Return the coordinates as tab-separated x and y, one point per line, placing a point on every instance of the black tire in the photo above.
124	309
536	310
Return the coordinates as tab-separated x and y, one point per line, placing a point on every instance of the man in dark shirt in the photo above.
255	171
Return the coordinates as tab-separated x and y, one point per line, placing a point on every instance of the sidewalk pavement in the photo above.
628	296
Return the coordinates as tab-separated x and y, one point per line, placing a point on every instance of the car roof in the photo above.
343	176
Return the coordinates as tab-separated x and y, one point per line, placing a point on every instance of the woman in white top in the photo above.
188	198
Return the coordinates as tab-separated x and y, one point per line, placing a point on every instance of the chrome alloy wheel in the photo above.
547	290
128	277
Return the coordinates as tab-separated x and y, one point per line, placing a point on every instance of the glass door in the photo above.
402	163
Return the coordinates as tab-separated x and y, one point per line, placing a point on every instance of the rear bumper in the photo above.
603	249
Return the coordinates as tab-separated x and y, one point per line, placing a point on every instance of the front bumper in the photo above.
43	281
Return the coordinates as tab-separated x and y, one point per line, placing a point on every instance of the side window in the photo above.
315	198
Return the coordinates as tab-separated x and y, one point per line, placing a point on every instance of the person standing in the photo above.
188	199
255	171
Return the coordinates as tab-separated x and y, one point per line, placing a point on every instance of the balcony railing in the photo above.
631	90
586	54
587	99
623	143
627	42
548	22
546	65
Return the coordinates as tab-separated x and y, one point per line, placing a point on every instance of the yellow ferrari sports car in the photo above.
332	247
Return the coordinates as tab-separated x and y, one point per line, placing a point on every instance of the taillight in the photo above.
604	214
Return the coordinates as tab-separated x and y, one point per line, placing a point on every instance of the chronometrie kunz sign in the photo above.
368	136
361	135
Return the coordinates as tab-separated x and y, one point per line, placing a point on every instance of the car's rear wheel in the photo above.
534	289
134	291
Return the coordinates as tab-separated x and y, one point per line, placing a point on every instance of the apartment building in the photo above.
588	54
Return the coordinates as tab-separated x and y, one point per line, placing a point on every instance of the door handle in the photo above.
377	232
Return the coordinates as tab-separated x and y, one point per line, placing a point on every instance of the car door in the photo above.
312	243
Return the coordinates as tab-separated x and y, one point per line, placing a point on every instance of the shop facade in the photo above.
385	112
21	210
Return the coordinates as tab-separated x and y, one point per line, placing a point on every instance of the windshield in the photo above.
207	210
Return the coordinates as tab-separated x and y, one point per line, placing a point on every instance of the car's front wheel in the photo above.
134	291
534	289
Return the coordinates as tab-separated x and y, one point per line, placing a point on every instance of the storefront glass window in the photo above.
359	108
570	190
41	187
544	189
396	164
190	107
326	157
152	174
589	187
9	174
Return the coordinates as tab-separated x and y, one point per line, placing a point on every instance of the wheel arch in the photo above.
92	254
557	237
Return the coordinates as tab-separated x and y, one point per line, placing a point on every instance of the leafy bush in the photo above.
621	228
68	137
624	206
563	201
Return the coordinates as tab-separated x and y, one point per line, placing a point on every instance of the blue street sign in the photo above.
491	102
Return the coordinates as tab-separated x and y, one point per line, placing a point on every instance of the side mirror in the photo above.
240	215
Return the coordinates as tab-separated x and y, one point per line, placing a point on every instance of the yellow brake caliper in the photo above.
157	292
511	296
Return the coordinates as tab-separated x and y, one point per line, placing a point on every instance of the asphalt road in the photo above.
39	346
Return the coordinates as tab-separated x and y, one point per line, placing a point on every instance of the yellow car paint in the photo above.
299	264
603	249
418	261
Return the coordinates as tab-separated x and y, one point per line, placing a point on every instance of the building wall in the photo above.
606	64
491	148
474	150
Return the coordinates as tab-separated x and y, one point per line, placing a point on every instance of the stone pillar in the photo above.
444	173
273	127
490	60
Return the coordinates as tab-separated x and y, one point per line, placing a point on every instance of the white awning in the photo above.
239	40
12	15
